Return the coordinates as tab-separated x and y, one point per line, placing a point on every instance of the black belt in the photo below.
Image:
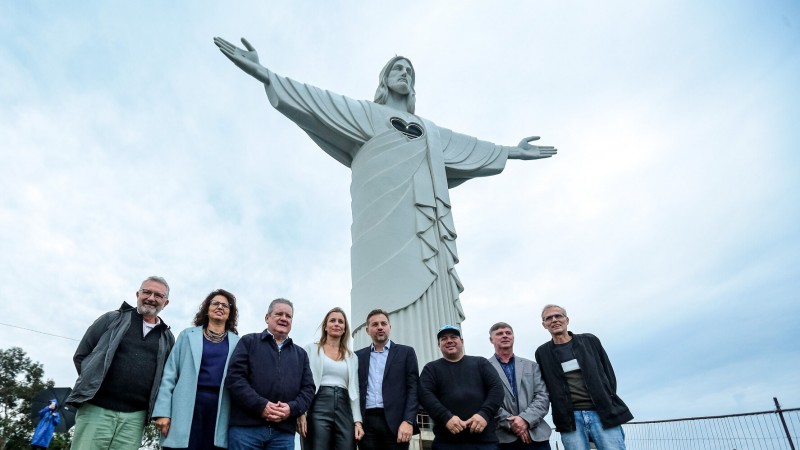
208	388
374	411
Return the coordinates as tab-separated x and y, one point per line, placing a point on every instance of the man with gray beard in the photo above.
119	361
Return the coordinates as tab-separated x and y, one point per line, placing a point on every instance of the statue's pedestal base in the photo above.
422	441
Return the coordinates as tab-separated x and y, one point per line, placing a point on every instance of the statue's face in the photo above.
400	76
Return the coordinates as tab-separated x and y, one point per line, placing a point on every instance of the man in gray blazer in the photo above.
520	420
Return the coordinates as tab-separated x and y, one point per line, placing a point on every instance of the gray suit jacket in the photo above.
533	400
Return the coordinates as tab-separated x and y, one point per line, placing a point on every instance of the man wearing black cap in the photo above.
462	395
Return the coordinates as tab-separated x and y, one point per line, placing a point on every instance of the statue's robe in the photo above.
404	242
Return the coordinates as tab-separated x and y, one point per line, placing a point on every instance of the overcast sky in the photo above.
668	224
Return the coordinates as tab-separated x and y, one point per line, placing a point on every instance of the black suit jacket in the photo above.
400	380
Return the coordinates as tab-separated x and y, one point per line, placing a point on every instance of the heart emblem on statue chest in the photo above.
412	130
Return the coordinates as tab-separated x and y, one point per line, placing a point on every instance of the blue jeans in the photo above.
259	438
588	427
519	445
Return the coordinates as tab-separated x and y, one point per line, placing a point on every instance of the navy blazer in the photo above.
400	380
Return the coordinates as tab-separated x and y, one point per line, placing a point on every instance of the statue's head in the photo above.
397	76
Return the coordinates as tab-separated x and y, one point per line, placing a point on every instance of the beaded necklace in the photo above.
214	337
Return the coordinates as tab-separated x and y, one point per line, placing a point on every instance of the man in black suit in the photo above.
387	379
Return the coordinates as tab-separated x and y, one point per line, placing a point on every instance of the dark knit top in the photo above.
212	366
129	380
469	386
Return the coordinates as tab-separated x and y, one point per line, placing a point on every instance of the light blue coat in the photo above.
178	389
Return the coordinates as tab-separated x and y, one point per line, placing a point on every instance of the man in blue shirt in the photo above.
520	420
387	377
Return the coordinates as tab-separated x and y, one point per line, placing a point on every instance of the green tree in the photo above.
20	380
150	438
61	441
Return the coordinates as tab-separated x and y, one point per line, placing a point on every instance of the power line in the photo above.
37	331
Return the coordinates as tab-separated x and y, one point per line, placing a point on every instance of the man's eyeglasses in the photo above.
216	303
553	317
146	293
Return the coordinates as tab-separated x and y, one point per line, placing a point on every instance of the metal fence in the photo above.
776	429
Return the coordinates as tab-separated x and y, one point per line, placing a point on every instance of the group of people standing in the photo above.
213	389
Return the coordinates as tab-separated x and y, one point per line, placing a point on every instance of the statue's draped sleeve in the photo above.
338	124
466	157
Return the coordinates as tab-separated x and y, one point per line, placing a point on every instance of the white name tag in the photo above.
570	365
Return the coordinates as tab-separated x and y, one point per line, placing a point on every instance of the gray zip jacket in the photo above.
96	351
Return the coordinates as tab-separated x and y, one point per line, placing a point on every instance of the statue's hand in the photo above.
247	60
524	150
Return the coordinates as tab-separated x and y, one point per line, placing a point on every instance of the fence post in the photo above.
783	421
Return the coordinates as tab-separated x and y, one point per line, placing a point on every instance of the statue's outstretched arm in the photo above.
247	60
524	150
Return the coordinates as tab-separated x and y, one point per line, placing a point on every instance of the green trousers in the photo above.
98	428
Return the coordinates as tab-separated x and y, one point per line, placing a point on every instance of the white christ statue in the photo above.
403	254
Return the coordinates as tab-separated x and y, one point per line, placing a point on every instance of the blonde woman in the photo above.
334	420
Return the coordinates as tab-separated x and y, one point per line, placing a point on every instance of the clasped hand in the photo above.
276	412
520	427
475	424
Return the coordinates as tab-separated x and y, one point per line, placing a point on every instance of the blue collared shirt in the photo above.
377	365
511	373
279	344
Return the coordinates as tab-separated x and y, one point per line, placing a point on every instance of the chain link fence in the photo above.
777	429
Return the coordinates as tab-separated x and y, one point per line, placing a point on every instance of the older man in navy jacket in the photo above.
270	383
387	376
